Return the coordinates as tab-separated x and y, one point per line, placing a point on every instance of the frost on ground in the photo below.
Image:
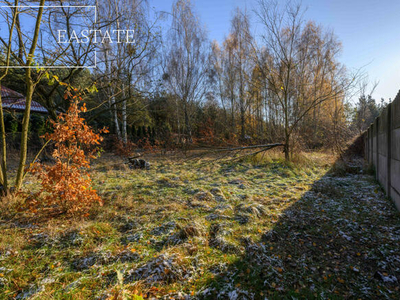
200	230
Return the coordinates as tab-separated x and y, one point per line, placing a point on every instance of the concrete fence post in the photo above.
366	145
376	146
389	148
371	146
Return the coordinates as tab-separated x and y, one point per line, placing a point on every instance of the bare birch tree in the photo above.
124	67
187	59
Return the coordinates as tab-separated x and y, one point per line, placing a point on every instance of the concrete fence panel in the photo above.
382	141
383	148
395	152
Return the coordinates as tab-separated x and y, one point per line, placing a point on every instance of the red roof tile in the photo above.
16	101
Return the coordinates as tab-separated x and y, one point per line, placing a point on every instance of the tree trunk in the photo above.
287	129
30	86
242	110
242	122
233	114
3	170
25	130
3	160
187	124
286	148
111	100
124	132
115	115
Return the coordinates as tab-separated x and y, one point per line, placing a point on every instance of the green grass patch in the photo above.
253	229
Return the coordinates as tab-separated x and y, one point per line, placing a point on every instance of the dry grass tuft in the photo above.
9	204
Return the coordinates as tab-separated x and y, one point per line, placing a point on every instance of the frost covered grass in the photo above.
186	229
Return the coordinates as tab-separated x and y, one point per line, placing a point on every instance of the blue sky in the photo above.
369	31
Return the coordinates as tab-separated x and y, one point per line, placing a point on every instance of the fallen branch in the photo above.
253	153
237	150
269	146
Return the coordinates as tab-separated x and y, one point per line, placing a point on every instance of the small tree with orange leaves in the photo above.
67	183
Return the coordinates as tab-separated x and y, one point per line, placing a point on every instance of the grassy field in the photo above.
190	229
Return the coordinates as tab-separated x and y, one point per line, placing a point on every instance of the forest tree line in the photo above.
175	88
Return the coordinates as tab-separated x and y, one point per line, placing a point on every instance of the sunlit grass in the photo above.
206	220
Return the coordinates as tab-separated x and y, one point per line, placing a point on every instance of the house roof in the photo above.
15	101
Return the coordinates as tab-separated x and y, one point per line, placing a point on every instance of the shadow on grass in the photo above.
339	241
